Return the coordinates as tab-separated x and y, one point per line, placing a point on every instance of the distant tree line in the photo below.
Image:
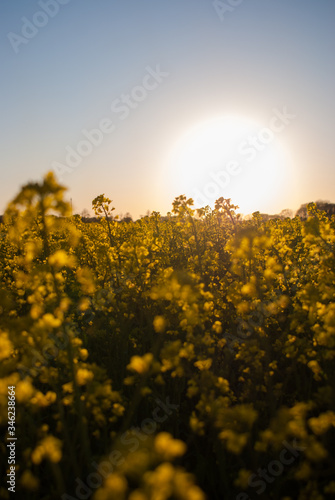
302	212
324	206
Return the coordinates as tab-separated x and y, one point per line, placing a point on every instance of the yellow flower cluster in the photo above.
167	447
84	376
50	448
114	334
140	364
6	347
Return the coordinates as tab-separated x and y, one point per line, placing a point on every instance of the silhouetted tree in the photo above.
287	212
325	206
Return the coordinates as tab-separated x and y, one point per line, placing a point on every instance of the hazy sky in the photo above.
159	79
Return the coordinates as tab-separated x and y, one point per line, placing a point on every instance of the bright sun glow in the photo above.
232	157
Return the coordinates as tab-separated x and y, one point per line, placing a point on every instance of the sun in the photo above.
234	157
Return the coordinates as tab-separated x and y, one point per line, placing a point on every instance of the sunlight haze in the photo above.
104	93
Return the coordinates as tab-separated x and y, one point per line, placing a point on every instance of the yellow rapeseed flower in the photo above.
159	324
49	448
44	400
315	451
242	481
6	347
24	391
68	387
116	484
83	353
84	304
223	384
249	289
50	321
163	474
322	423
316	369
217	327
203	364
235	442
36	311
303	472
60	259
140	364
83	376
168	447
29	481
137	495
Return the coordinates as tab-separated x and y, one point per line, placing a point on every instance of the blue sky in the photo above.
83	56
